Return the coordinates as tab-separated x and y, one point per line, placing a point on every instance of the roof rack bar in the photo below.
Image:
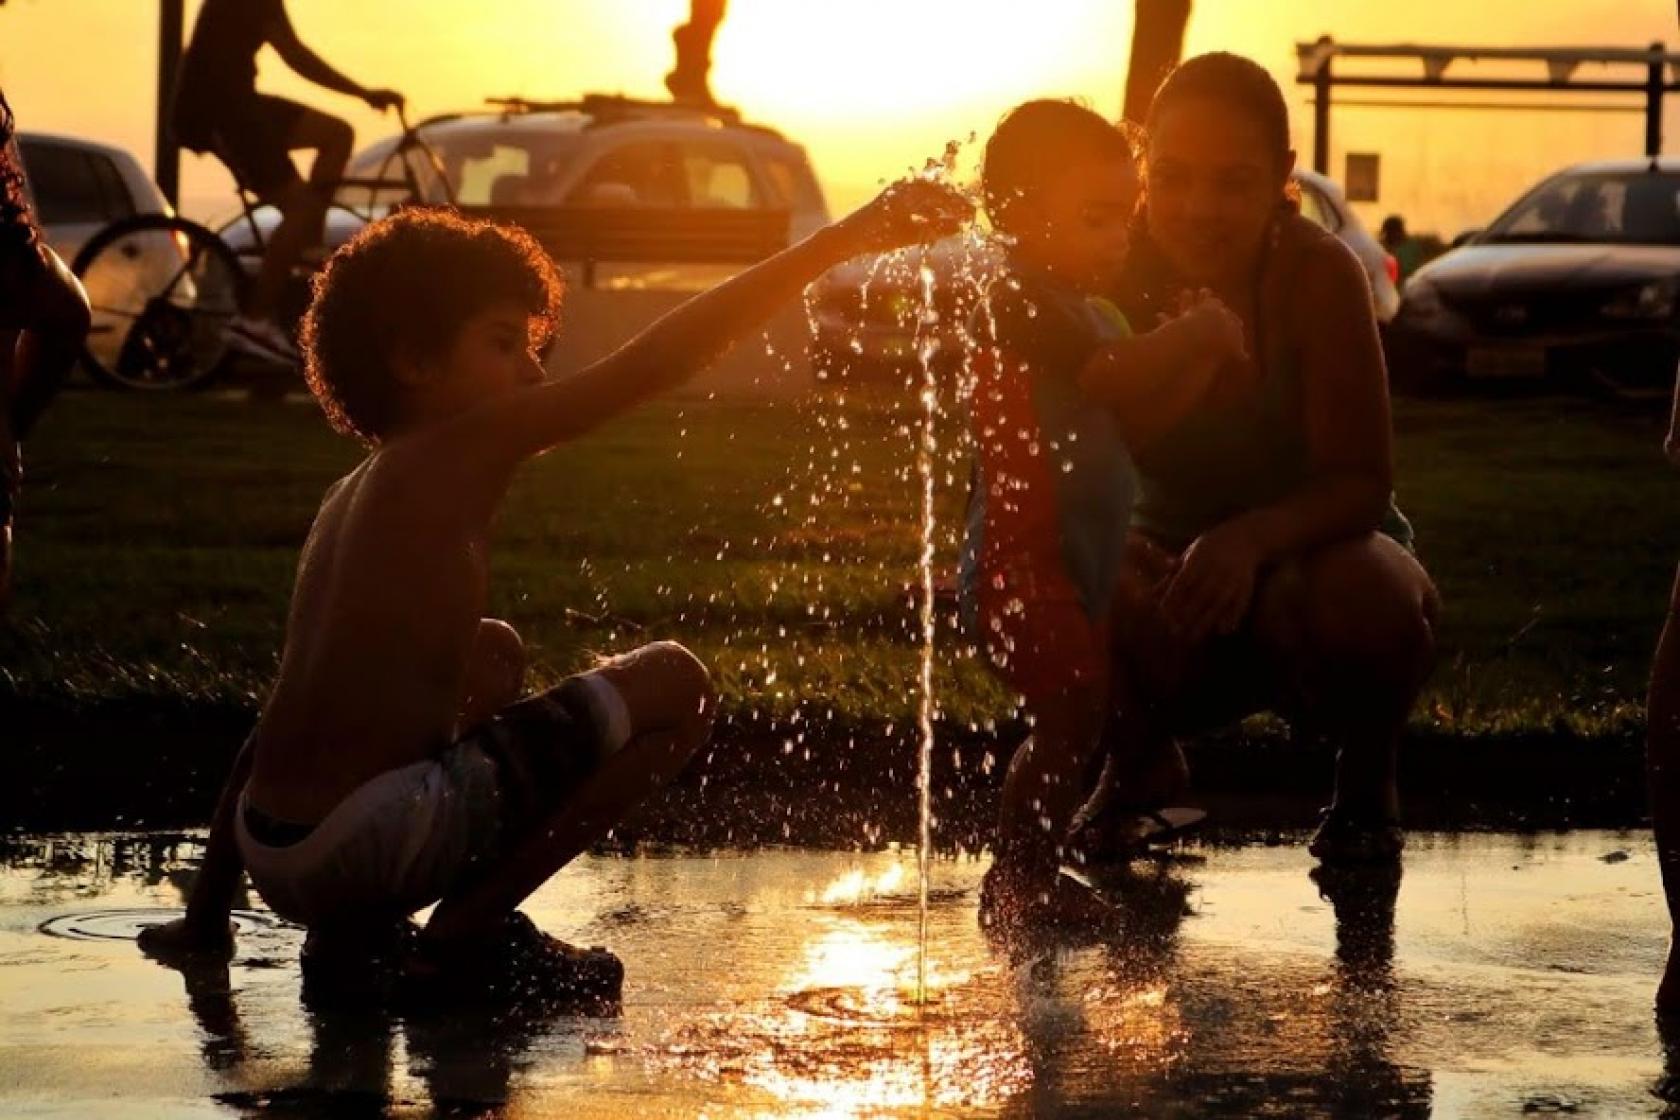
609	104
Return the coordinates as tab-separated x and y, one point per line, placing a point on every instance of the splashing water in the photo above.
927	345
927	449
940	292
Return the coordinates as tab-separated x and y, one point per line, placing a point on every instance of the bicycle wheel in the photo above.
163	291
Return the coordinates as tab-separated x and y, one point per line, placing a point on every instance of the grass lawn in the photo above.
158	536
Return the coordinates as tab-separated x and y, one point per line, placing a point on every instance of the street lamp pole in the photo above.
167	154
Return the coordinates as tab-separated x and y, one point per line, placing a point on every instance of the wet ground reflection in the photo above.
1500	975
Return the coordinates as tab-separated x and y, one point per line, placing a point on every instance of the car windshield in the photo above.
486	168
1631	207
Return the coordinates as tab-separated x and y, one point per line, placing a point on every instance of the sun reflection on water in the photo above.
845	1036
857	886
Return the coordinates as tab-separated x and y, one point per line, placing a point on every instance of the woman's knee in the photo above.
1369	608
497	670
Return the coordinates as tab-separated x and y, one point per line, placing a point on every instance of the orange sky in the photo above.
869	86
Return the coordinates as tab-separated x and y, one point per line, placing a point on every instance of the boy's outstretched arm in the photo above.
205	930
691	336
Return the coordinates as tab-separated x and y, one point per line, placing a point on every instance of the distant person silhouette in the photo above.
218	110
690	82
43	322
1402	246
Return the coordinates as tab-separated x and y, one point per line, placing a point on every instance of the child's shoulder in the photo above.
1041	319
1028	306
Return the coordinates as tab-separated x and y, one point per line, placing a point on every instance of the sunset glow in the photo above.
870	88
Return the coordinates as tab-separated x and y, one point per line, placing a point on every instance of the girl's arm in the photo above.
1671	445
1348	435
1349	431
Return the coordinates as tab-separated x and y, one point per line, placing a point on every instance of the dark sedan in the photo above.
1576	284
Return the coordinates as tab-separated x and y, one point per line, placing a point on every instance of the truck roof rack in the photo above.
613	108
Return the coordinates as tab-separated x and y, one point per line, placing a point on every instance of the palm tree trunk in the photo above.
1157	45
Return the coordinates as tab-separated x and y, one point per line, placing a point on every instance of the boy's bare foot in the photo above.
356	964
516	962
183	942
1014	904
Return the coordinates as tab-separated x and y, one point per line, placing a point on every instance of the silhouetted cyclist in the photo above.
218	110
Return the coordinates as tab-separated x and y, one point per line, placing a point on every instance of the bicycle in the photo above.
164	288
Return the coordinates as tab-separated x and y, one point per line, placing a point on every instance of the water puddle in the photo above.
1498	975
126	925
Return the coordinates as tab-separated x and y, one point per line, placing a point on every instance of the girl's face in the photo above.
1213	188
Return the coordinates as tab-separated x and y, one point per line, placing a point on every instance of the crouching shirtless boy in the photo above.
393	765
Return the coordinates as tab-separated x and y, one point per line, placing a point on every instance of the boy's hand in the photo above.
910	212
1671	448
186	941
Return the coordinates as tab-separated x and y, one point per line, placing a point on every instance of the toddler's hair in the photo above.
1037	141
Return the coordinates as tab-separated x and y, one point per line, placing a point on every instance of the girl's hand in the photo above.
910	212
1213	588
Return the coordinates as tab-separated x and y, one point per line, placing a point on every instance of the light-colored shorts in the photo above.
396	844
405	839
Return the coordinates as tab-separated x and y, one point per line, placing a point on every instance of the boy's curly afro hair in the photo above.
17	225
405	286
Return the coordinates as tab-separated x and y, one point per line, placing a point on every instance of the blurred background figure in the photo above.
690	82
1402	246
218	110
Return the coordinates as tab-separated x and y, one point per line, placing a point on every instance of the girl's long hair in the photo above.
17	223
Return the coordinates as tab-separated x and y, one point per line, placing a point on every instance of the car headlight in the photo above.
1420	300
1653	300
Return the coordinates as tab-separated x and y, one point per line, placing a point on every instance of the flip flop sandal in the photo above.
1124	831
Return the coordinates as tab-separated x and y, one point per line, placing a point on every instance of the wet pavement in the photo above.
1500	976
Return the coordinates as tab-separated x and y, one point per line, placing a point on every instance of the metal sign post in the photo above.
1659	75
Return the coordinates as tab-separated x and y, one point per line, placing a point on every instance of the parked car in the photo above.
1323	202
864	314
1576	284
610	154
78	187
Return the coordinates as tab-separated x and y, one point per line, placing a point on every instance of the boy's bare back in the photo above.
390	586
